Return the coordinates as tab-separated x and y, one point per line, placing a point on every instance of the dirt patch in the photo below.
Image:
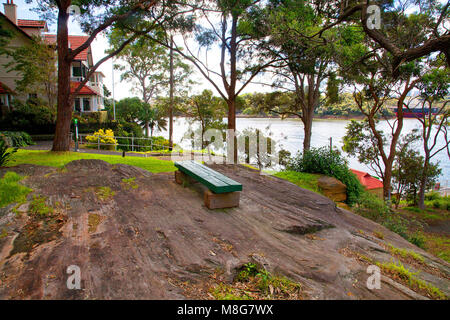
39	229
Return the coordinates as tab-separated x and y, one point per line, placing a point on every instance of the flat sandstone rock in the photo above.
140	238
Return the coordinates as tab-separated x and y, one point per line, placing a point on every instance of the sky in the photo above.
123	89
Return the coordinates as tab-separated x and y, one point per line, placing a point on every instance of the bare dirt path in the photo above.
143	236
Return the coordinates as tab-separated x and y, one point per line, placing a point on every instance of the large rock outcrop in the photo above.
332	188
137	235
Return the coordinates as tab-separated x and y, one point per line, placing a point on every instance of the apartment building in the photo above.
91	96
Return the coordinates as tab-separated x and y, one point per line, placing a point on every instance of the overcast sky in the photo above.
123	89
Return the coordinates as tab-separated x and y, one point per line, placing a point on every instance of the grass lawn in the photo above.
60	159
303	180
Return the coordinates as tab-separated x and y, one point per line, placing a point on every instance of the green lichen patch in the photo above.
130	183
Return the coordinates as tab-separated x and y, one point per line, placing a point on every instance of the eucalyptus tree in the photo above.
304	60
219	26
208	109
373	86
434	120
377	75
152	68
383	22
95	17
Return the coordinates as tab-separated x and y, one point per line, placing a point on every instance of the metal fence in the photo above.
135	143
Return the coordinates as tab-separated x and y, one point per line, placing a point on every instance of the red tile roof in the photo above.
74	42
4	89
85	90
367	180
31	23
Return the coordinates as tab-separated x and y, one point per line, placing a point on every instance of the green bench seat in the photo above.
213	180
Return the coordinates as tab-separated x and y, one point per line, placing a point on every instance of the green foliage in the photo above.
360	142
332	90
406	254
409	168
16	138
130	183
10	190
151	118
28	117
433	195
104	193
128	109
399	270
418	239
254	283
344	105
330	163
372	207
5	153
208	110
36	63
147	65
39	207
247	271
396	224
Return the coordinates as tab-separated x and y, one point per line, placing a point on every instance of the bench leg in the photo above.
183	179
222	200
179	177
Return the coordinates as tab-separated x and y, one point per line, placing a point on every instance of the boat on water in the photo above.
416	112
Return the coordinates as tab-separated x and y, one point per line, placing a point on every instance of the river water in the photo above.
289	135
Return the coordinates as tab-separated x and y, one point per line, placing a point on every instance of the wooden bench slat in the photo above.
215	181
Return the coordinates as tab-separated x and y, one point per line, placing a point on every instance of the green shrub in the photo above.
330	163
5	153
16	138
418	239
443	203
396	224
372	207
432	196
105	137
34	119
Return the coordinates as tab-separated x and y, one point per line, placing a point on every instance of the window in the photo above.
77	105
86	104
76	71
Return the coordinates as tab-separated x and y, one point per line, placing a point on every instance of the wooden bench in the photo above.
222	192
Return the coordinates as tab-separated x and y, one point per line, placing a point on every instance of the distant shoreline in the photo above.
327	117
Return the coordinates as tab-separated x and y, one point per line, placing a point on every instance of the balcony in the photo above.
76	79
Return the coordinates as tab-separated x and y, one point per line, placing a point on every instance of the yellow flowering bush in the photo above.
104	137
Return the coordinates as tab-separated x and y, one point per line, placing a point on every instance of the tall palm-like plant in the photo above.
151	118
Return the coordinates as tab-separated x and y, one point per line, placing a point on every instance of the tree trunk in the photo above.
147	128
61	141
232	140
387	179
423	184
171	97
307	120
